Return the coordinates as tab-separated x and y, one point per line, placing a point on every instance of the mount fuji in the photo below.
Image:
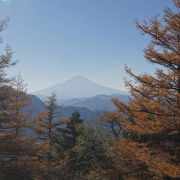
77	87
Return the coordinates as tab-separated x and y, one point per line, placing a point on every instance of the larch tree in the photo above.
17	145
150	147
47	123
13	146
6	61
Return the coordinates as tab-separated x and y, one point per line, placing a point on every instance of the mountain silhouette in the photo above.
77	87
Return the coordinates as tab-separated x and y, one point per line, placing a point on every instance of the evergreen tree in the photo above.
93	156
69	134
65	141
151	120
88	152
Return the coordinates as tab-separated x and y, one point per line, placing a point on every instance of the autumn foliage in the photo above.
151	120
140	141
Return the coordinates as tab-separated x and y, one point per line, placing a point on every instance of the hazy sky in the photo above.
55	40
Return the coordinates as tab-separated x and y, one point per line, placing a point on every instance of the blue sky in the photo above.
55	40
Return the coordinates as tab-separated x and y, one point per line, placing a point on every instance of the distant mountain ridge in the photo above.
90	107
37	106
97	103
77	87
84	95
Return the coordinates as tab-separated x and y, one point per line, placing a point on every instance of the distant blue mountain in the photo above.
77	87
81	94
97	103
37	106
90	108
